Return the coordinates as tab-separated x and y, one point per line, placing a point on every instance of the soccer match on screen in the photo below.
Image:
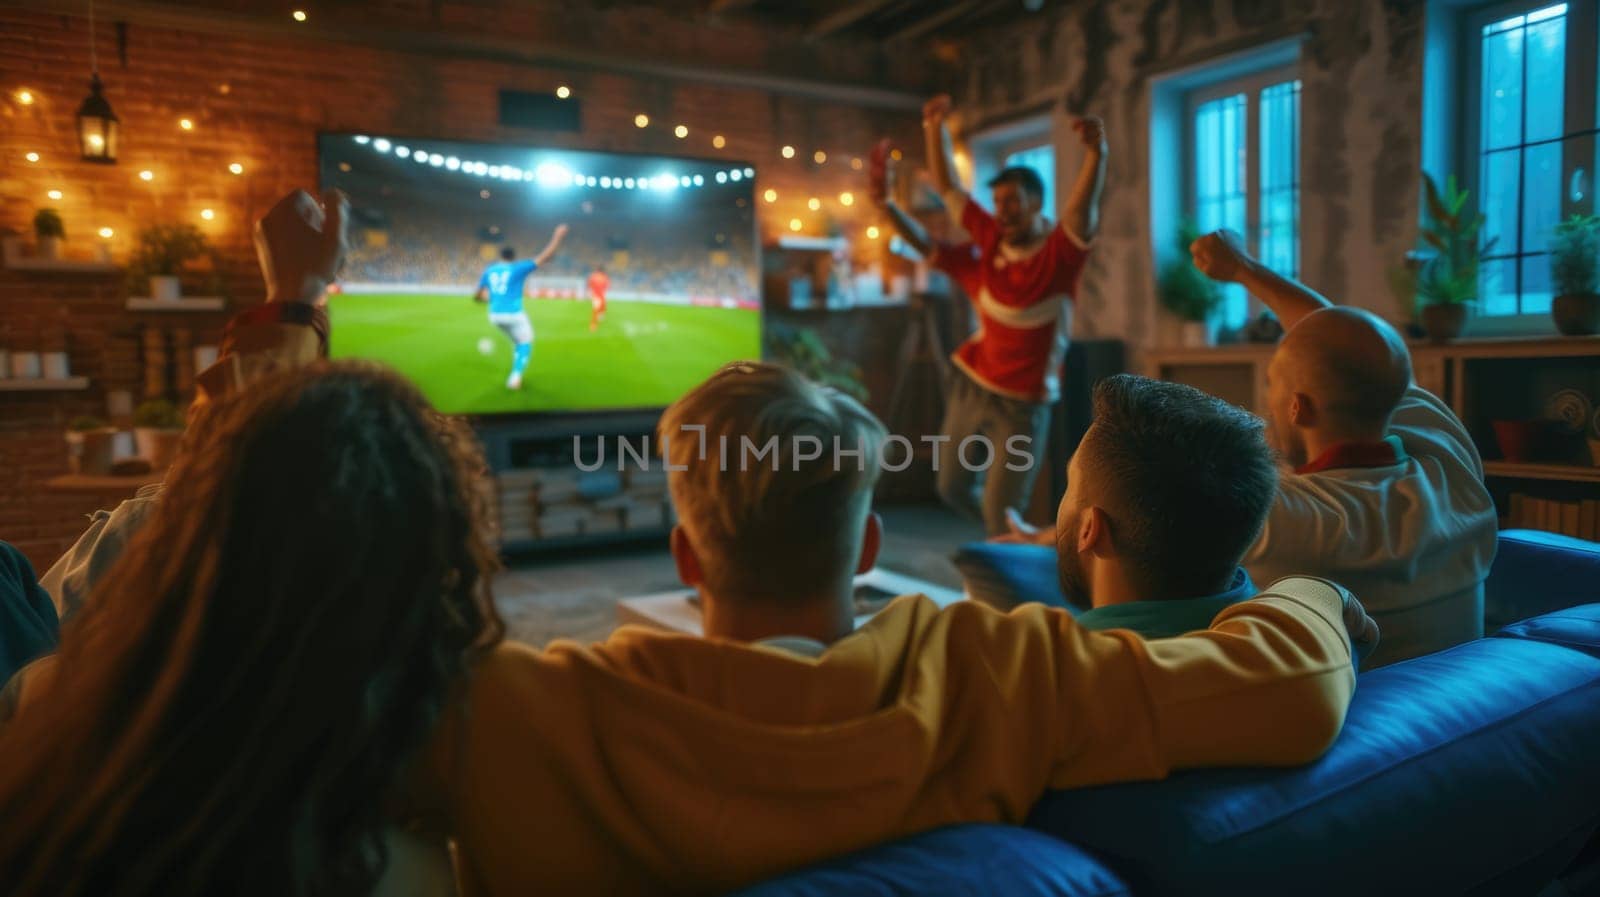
508	279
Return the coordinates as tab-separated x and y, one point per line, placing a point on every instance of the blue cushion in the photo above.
1575	627
1536	573
1454	770
1005	575
965	860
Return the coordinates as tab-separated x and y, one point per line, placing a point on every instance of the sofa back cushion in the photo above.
1457	770
964	860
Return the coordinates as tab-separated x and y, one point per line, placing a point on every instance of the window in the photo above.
1532	141
1244	146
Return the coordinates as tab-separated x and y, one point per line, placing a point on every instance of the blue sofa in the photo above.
1472	771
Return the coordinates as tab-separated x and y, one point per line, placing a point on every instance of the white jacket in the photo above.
1412	540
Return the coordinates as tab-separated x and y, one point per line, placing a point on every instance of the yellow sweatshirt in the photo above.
658	762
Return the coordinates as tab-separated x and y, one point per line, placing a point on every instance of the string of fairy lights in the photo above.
551	174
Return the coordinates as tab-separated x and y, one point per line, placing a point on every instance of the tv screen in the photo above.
652	289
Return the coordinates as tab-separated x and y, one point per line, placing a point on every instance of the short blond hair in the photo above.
774	491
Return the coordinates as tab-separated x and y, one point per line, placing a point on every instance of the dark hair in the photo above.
1023	177
1186	477
508	253
237	705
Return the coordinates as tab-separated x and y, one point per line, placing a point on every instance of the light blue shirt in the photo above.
504	282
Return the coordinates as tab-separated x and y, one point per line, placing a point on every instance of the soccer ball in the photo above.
485	346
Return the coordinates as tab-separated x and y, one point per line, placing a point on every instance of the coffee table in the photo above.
674	612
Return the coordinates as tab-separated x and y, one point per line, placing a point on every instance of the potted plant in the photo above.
162	252
157	430
802	349
48	233
1189	294
89	446
1575	274
1446	282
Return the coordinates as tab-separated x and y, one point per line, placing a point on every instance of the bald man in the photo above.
1386	496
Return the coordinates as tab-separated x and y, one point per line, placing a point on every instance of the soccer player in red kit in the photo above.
1023	286
598	284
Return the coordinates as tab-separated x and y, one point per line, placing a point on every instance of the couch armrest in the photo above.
1537	572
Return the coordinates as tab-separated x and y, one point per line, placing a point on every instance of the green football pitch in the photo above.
643	354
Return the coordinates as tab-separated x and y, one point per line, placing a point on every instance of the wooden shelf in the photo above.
18	260
1571	473
187	303
41	385
80	482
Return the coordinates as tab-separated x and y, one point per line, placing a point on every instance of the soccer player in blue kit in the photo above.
502	287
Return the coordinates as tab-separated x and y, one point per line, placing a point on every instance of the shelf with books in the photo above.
1570	473
1579	519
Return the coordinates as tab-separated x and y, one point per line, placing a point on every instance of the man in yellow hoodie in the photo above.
658	762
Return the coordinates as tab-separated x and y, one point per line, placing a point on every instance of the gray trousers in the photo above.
986	494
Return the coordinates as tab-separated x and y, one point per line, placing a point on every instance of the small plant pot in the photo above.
1443	321
157	446
91	451
1199	334
1577	314
165	288
1520	441
48	248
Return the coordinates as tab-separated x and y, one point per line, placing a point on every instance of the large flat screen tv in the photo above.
654	287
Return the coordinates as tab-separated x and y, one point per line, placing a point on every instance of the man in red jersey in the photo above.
1008	372
598	284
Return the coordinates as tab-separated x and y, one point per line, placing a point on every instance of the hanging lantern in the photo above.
97	127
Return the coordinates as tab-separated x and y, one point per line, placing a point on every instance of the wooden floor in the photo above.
574	594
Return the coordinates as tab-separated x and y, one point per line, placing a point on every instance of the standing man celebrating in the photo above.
1008	372
502	286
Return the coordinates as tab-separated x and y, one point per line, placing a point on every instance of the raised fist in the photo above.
1220	255
300	243
1092	131
936	110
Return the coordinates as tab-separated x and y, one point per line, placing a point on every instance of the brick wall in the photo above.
260	101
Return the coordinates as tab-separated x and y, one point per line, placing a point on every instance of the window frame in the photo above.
1251	84
1580	116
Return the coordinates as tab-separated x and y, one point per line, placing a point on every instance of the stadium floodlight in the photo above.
363	139
699	181
481	169
420	156
435	159
644	184
749	172
452	163
664	181
381	145
551	174
722	177
577	179
403	152
685	181
628	183
494	171
605	182
735	175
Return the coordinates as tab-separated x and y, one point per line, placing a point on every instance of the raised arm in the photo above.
1082	215
880	181
936	136
551	247
1221	255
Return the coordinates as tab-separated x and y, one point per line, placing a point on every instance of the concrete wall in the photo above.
1361	114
